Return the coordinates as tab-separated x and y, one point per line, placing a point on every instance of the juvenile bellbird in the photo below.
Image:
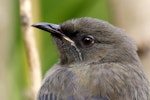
98	61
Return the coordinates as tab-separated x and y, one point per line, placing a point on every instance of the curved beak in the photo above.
54	29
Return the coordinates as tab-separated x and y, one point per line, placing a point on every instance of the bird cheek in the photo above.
99	54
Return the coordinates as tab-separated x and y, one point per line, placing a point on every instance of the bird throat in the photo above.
69	52
78	52
74	55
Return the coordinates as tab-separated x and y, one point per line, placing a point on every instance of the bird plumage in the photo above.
98	61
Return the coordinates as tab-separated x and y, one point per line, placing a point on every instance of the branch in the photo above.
30	46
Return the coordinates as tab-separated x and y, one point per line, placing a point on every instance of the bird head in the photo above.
90	40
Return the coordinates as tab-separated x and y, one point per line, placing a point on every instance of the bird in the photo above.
98	61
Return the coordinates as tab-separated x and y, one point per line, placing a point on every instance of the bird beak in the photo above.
54	29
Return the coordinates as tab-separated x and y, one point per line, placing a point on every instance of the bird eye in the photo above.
88	40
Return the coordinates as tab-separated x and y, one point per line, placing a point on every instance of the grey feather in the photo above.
102	63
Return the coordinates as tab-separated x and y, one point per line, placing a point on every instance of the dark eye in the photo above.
88	40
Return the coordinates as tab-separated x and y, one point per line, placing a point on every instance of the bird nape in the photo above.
98	61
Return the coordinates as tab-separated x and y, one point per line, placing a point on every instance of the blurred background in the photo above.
133	16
